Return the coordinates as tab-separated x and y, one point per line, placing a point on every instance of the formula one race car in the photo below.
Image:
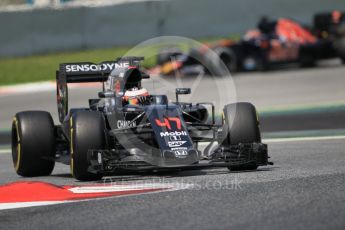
273	42
120	131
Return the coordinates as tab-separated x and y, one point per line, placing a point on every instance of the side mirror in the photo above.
106	94
182	91
145	75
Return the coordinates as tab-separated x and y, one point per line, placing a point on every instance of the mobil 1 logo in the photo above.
175	141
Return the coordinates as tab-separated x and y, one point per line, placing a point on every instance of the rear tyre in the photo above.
343	60
339	46
33	143
262	63
86	132
241	125
307	59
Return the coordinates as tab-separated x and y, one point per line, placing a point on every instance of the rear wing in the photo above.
86	72
92	72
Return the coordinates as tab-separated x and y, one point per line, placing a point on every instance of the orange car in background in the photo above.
273	42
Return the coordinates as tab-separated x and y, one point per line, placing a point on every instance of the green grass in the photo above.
42	67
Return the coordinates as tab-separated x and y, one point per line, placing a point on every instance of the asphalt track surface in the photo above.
303	190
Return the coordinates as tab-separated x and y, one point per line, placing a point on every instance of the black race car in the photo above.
112	136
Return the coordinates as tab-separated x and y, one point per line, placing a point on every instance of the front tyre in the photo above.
241	125
167	55
221	61
87	131
33	143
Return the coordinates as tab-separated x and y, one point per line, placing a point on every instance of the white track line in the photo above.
4	206
4	151
45	86
129	187
28	88
292	139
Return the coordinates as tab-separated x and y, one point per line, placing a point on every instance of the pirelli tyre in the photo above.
223	64
86	132
307	57
339	45
33	143
241	125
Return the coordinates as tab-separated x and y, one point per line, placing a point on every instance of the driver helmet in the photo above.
132	95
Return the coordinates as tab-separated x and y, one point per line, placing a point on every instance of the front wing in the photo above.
111	161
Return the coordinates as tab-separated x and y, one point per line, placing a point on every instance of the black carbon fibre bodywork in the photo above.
156	135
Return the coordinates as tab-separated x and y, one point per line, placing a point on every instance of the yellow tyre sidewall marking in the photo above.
71	146
257	117
17	164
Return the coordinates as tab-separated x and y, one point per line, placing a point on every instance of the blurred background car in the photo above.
272	43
